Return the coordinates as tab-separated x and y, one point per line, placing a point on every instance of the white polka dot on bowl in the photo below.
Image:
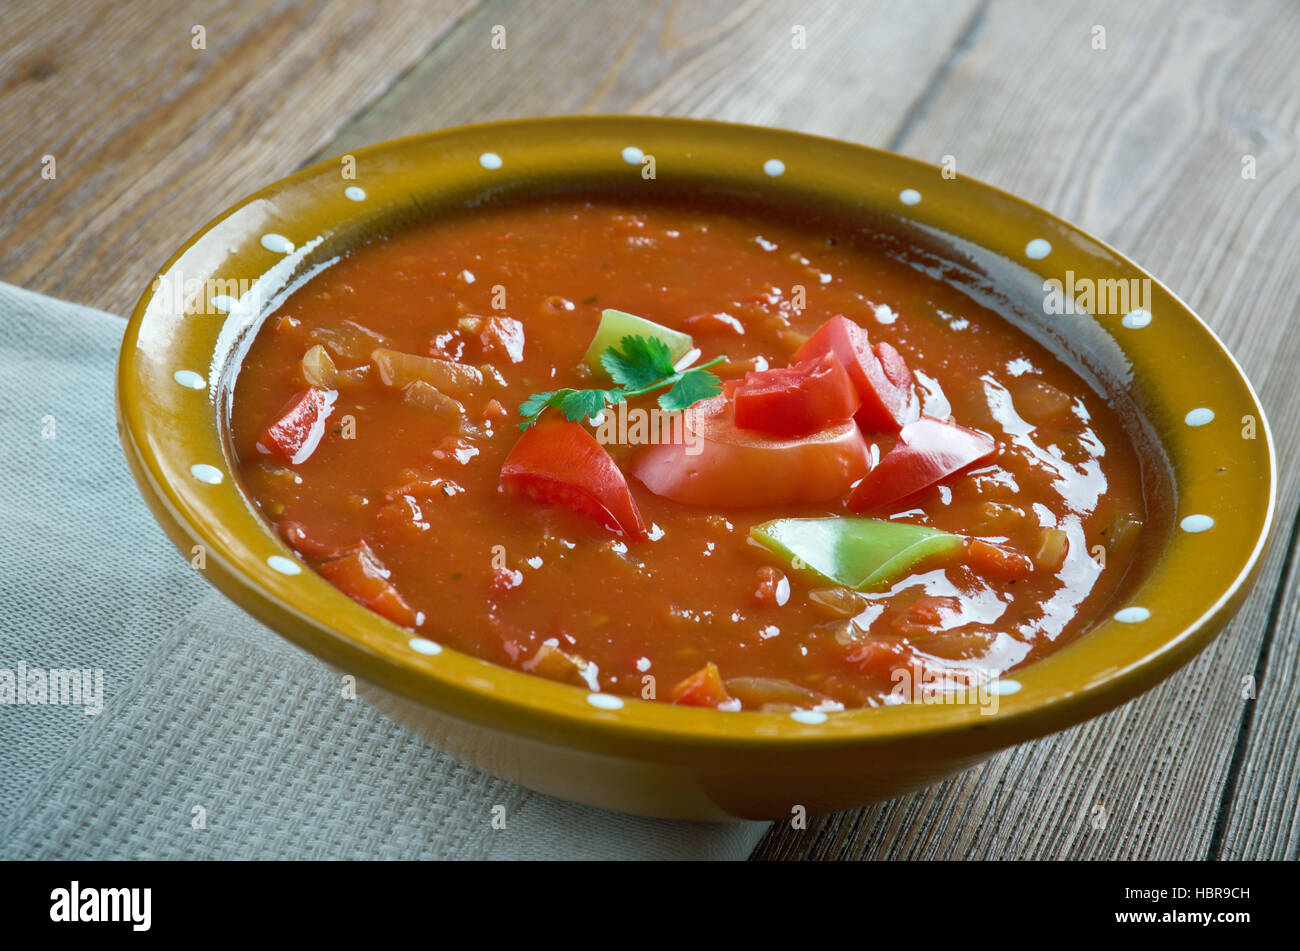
1136	319
286	566
1038	249
423	645
809	717
1199	416
206	473
1196	523
909	196
774	167
354	193
490	160
605	701
633	156
277	243
189	379
1132	615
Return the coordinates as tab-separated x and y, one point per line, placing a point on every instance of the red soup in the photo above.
702	455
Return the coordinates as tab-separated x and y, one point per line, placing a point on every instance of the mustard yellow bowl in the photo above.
1204	441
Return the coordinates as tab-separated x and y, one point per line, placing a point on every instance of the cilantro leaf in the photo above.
691	387
533	407
578	405
638	361
638	365
536	404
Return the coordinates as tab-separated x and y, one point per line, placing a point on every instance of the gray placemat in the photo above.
216	738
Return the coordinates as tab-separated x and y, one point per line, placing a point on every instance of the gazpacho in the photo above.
699	453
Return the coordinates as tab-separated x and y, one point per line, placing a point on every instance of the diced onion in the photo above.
397	370
434	402
1123	536
997	518
1053	546
837	602
1041	403
349	339
758	692
318	368
550	661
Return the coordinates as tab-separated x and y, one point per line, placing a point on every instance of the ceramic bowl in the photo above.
1198	425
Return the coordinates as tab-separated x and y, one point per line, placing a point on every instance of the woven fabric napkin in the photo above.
216	738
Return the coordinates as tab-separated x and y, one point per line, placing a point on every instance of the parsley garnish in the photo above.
639	365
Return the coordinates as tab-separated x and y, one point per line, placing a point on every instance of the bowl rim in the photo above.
520	703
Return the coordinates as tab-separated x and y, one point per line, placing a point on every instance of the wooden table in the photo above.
1167	128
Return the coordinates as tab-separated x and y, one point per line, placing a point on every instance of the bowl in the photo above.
1207	458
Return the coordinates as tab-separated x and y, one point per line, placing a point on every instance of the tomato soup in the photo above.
693	453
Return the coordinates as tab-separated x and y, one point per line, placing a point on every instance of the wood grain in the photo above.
1113	138
1141	143
152	137
864	67
1261	815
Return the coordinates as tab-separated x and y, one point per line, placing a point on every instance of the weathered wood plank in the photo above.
151	137
862	68
1261	819
1143	144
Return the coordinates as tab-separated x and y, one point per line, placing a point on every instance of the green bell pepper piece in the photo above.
859	553
615	325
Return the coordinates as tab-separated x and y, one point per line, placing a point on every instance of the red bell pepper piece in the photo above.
362	577
880	375
558	462
928	451
796	400
704	688
297	432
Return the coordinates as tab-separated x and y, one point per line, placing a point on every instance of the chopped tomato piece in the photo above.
877	657
714	462
309	544
363	578
798	399
503	335
558	462
928	451
719	323
928	611
505	579
704	688
773	588
995	561
923	616
298	431
880	375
